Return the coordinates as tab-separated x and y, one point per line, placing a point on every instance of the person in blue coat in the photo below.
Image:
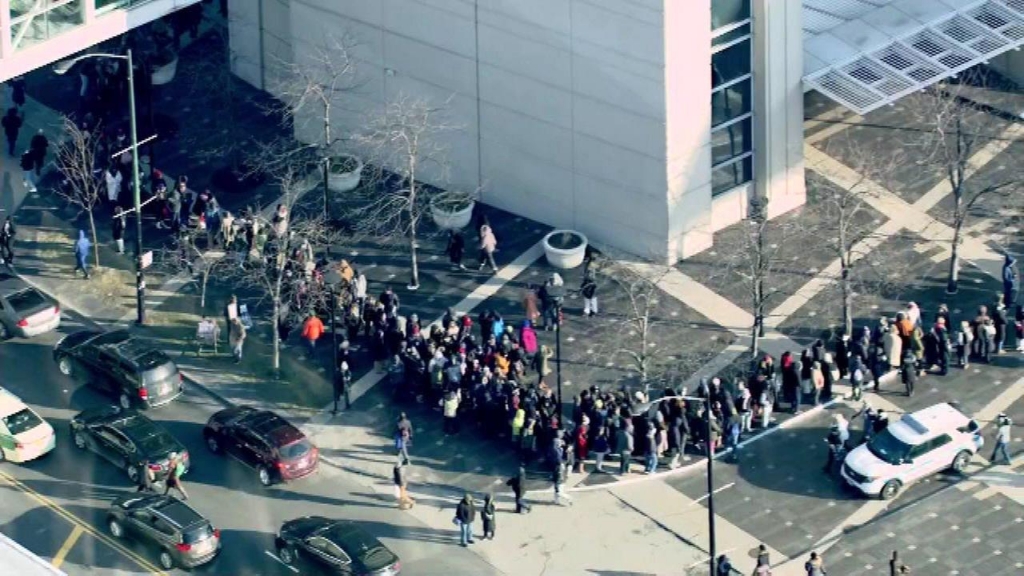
82	247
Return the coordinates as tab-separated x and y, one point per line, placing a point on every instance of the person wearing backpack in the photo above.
588	288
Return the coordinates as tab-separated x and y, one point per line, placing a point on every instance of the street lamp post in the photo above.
558	363
332	278
140	281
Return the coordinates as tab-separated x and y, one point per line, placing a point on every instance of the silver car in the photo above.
25	311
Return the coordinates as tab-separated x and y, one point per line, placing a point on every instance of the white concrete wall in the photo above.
1010	64
778	104
95	29
261	41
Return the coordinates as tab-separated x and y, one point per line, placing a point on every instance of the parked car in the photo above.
25	311
917	445
334	546
262	440
24	435
119	364
127	438
182	536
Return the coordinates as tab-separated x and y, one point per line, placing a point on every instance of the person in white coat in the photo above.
113	178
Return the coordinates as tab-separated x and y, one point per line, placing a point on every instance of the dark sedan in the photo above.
121	365
127	439
334	547
263	441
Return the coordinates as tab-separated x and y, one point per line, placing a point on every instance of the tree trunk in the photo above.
95	242
276	357
847	295
327	159
413	221
202	288
952	284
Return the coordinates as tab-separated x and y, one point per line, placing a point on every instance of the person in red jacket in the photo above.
312	329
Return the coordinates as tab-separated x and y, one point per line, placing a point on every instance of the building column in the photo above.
688	126
779	104
6	49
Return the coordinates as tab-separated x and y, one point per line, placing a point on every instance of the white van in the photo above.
915	446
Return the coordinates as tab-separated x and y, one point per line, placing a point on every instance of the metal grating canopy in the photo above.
865	54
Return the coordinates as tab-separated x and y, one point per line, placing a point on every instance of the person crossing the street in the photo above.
175	470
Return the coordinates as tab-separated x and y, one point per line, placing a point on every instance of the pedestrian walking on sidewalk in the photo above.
557	479
236	338
588	289
1002	439
815	566
146	477
82	247
487	513
403	439
456	249
763	558
465	515
345	382
1011	281
724	566
28	178
7	234
488	245
402	486
39	145
117	227
12	125
518	485
312	329
176	469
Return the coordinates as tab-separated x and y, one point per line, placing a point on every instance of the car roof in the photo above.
140	354
925	424
271	427
352	539
9	403
137	427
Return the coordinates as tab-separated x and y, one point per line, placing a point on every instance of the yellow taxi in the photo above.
24	435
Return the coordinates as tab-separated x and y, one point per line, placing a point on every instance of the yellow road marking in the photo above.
76	533
79	523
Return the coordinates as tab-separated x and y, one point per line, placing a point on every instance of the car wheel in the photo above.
125	401
133	474
116	530
264	475
80	441
2	456
961	461
890	490
287	555
212	444
166	560
65	365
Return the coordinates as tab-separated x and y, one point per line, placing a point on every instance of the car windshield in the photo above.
295	450
21	421
888	448
26	300
159	374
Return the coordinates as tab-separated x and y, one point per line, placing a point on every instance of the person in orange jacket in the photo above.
312	329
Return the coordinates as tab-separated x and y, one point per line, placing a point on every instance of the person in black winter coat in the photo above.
456	249
488	514
908	372
588	289
518	485
7	234
465	515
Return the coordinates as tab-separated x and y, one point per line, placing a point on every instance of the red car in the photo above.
262	440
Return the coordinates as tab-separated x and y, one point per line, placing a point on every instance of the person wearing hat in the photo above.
1002	439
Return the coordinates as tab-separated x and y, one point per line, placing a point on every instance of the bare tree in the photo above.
843	215
959	126
405	139
185	256
277	272
310	90
81	184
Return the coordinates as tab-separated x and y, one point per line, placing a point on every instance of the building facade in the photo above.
595	115
35	33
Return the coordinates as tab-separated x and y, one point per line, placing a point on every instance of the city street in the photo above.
56	506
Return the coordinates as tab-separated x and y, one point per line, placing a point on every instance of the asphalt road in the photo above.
56	506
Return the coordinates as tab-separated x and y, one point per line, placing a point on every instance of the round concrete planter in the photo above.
565	249
345	173
164	74
447	219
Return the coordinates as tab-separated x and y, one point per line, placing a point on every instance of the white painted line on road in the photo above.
716	491
274	556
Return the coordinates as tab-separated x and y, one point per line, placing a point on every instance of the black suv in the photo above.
182	536
121	365
262	440
127	439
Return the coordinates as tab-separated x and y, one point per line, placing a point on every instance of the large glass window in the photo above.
732	120
726	12
35	21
